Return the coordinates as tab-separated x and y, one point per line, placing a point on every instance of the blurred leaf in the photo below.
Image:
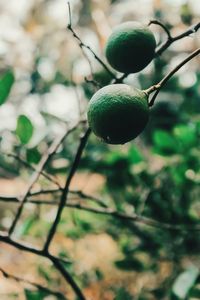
41	295
135	155
6	83
195	293
113	157
129	264
44	273
186	134
35	295
164	142
24	129
26	226
33	155
184	282
122	294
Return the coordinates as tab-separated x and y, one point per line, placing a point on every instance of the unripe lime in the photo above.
117	113
130	47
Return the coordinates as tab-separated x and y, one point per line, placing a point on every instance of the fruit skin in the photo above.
118	113
130	47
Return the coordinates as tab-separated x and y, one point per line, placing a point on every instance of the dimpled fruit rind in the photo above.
118	113
130	47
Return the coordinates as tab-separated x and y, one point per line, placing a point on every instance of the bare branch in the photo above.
114	213
159	85
65	192
96	84
83	45
156	22
26	164
171	39
44	160
37	285
55	260
68	278
136	218
80	194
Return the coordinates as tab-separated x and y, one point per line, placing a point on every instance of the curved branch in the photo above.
171	39
156	22
159	85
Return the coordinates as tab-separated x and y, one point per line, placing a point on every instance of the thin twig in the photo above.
26	164
156	22
83	45
55	260
80	194
156	88
95	83
43	162
114	213
172	39
37	285
65	192
136	218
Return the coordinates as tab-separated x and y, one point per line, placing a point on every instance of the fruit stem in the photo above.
157	87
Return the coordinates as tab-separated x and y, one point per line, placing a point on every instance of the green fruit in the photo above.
117	113
130	47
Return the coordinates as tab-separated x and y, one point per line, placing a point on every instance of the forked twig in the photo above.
157	87
83	45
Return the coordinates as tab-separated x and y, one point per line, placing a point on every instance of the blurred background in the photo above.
45	88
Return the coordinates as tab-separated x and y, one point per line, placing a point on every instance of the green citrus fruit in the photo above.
117	113
130	47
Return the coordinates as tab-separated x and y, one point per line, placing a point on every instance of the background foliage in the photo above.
44	90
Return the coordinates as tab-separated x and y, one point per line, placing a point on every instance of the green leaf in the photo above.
41	295
26	226
195	293
135	156
186	134
129	264
24	129
6	82
184	282
122	294
35	295
33	155
164	142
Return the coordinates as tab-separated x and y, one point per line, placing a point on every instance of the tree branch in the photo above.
78	193
38	286
44	160
65	192
55	260
160	49
83	45
114	213
156	88
68	278
156	22
27	165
